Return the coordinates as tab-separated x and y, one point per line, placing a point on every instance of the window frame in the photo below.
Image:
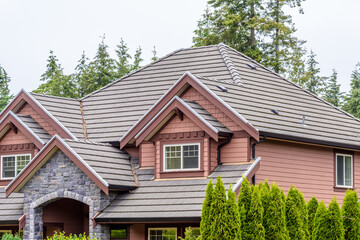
163	228
15	156
352	170
182	161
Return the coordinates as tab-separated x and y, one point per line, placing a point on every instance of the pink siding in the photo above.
147	155
176	125
237	150
213	154
194	95
28	110
309	168
12	138
206	157
137	232
158	160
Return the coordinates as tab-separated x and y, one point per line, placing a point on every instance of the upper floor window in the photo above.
11	165
344	170
182	157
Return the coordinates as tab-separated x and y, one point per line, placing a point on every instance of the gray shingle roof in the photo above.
155	200
35	127
111	164
11	208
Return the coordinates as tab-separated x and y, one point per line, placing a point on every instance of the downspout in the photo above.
219	149
256	143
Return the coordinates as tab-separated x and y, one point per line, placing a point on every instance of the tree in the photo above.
189	235
274	221
81	74
312	207
351	215
154	57
332	92
296	216
137	59
123	66
5	95
233	217
313	82
257	231
56	82
218	211
244	203
206	217
319	222
352	100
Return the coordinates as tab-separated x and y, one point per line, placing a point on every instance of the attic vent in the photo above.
222	88
275	111
252	66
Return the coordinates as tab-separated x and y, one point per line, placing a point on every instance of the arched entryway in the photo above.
66	215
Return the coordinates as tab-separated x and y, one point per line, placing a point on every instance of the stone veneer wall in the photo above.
60	178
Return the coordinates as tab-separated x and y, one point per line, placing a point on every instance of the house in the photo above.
132	160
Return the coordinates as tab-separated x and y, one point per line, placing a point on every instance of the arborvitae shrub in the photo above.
274	219
9	236
351	215
233	217
244	202
206	219
320	222
335	221
218	211
312	207
257	231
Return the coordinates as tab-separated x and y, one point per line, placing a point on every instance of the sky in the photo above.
30	29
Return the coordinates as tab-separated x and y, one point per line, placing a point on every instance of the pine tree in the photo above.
295	209
352	100
56	82
244	203
154	57
312	207
314	82
218	211
206	217
332	92
233	217
81	74
257	231
319	222
274	219
351	215
122	64
137	59
5	95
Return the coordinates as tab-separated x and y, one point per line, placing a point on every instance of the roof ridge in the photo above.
215	79
87	141
229	64
45	95
296	85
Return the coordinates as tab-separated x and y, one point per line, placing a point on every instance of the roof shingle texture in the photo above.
35	127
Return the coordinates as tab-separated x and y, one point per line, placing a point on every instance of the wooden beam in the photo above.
14	128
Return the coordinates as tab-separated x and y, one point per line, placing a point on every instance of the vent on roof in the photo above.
222	88
252	66
303	120
275	111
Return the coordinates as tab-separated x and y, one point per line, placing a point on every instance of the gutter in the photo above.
220	146
254	145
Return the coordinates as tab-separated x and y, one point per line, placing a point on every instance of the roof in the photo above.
35	127
167	200
11	208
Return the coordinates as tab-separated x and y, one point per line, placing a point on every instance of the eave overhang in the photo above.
147	220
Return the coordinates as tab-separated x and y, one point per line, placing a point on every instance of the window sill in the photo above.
182	174
342	189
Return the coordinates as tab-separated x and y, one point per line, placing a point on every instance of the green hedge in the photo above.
9	236
61	236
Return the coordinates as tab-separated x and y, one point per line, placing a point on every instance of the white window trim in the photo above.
182	169
13	155
352	171
164	228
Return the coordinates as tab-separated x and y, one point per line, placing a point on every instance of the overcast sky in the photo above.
30	29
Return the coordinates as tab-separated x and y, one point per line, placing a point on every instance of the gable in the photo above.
14	138
176	125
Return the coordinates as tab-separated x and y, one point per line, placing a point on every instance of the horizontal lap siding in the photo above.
12	138
176	125
147	155
309	168
213	154
237	150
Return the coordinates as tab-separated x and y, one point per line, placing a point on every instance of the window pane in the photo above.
119	233
172	157
340	170
8	167
22	161
191	156
165	234
348	171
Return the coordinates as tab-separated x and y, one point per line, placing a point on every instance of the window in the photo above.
162	234
344	170
118	234
195	231
12	165
3	232
182	157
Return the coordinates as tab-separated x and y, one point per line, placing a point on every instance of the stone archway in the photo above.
36	210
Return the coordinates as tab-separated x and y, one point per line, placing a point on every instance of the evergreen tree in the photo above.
123	65
56	82
295	209
81	74
5	95
319	222
137	59
206	217
351	215
244	203
312	207
313	82
257	231
274	219
218	211
189	235
352	103
233	217
332	92
154	57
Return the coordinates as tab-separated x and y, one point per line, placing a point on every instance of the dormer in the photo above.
183	133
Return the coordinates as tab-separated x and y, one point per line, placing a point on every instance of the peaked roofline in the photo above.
10	117
44	155
23	95
186	80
